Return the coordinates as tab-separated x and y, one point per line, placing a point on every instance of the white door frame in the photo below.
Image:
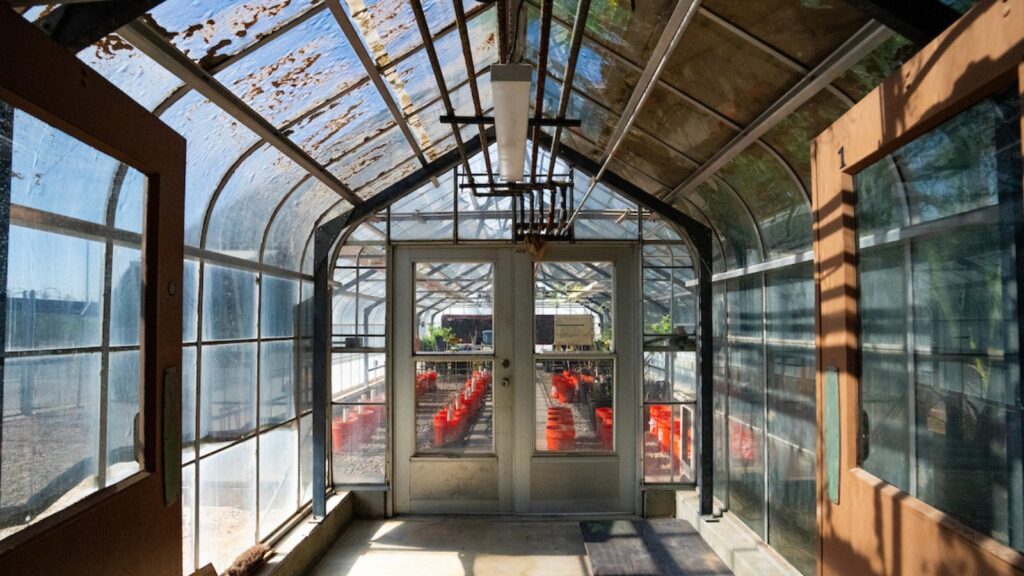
515	465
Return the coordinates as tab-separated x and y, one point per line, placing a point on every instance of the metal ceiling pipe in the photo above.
467	53
542	74
428	45
579	25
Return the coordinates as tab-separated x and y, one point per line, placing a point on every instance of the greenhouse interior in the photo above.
483	287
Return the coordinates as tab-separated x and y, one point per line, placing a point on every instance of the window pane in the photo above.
279	476
55	290
277	375
51	409
792	438
746	440
229	303
966	408
454	307
189	300
359	297
228	404
188	521
359	440
188	403
124	456
227	504
305	459
668	443
670	377
573	306
126	296
54	172
358	377
277	313
454	407
575	405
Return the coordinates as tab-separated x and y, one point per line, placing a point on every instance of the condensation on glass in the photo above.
940	383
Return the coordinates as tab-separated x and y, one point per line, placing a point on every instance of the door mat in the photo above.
648	547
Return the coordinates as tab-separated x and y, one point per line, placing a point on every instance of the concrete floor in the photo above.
437	546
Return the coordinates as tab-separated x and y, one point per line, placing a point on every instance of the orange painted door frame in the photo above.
875	528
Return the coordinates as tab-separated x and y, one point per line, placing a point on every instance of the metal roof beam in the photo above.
869	37
919	21
153	44
80	24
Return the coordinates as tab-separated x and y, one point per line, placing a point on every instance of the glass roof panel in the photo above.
374	229
294	223
636	177
372	160
606	214
412	82
390	177
214	141
792	136
426	125
212	30
129	69
600	74
735	228
245	205
656	228
782	211
342	125
295	72
651	157
862	77
598	122
806	31
725	72
484	218
683	125
620	25
389	26
425	214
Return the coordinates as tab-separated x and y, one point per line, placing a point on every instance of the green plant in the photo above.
445	333
662	326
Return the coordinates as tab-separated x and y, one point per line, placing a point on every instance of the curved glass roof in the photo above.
350	84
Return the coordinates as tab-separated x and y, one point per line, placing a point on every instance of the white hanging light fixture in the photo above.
510	88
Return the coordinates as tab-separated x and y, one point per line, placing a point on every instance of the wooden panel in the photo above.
876	528
128	528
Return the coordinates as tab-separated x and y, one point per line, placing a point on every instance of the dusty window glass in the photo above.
277	377
280	298
228	399
227	504
279	476
229	303
70	409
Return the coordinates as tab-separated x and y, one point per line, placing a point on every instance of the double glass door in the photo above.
513	389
